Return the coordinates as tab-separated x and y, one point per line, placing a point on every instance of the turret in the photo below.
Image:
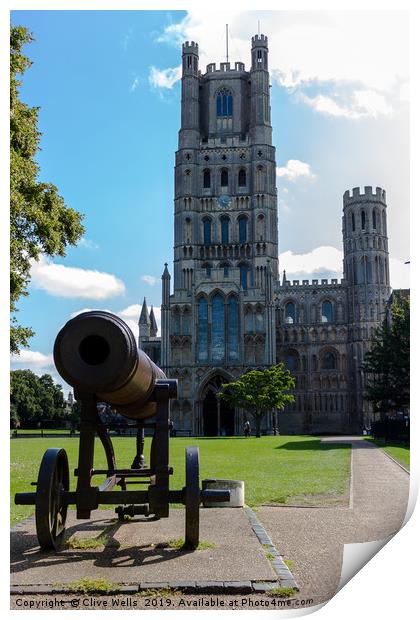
189	133
365	241
144	323
366	271
260	128
165	317
153	324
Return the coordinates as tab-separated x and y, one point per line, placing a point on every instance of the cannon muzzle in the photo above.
96	353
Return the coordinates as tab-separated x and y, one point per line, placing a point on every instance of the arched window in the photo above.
260	227
290	312
329	361
242	224
243	276
224	223
176	321
242	178
363	220
202	345
224	177
374	219
353	222
217	328
233	327
207	267
259	319
225	267
206	178
292	361
326	312
207	231
224	103
249	320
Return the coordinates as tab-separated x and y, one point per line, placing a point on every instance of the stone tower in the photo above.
366	270
220	319
229	312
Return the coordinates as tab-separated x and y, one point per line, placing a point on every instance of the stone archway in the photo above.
218	417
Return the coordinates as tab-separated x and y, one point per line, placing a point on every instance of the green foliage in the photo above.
259	391
387	364
40	222
281	592
34	398
86	585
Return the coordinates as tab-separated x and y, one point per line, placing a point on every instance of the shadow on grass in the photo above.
314	445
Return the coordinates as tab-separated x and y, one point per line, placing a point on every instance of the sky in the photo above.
107	84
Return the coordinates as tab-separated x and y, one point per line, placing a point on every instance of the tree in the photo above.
259	391
387	363
34	399
40	222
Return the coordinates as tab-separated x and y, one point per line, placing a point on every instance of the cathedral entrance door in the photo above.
210	415
227	419
218	415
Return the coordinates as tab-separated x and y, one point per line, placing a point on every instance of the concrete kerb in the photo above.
286	579
191	587
390	457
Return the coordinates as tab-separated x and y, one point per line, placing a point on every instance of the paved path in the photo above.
138	552
313	537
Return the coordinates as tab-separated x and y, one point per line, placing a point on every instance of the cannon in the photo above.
96	353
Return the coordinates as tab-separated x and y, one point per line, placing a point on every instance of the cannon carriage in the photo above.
96	353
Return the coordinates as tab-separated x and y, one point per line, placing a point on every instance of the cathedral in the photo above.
230	310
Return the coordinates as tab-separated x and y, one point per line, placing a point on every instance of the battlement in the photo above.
356	197
224	67
259	40
313	283
190	47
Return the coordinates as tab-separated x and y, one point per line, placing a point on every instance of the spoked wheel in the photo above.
50	507
192	497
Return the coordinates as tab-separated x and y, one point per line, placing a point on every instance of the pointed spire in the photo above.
166	274
153	324
144	315
284	278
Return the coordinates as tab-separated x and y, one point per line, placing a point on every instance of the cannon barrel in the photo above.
96	353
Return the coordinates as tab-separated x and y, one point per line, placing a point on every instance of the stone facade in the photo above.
229	311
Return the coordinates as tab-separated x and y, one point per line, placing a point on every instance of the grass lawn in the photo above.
282	469
398	452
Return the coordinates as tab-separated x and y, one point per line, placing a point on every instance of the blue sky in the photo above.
108	90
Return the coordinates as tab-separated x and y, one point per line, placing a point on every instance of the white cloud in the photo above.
165	78
399	273
349	50
295	169
88	243
327	262
134	84
151	280
32	359
324	261
130	315
362	104
62	281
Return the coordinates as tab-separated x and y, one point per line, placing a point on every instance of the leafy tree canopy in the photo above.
40	222
259	391
387	363
35	399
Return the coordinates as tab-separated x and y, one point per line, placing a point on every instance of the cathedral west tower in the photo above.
229	312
